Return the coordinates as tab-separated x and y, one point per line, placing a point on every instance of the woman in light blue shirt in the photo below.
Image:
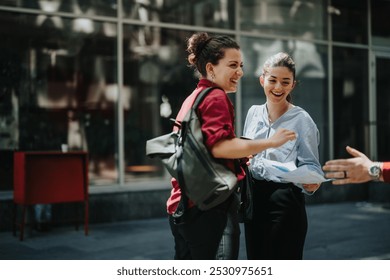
279	224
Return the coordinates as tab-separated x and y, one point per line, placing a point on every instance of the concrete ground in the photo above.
342	231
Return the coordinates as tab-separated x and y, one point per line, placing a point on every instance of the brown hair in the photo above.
203	49
280	59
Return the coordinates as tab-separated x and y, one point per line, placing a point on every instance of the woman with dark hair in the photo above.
279	223
218	61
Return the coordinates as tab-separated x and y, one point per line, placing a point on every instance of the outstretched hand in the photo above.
347	171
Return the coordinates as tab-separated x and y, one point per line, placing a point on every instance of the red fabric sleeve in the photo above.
217	116
386	172
216	112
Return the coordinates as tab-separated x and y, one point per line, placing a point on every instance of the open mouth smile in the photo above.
277	94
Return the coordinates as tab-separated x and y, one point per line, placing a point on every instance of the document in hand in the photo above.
288	172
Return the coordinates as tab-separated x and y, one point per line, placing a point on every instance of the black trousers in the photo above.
279	225
208	235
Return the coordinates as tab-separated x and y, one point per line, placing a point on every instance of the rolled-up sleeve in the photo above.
217	116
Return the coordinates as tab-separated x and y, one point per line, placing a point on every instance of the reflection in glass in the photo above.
350	99
311	91
304	19
349	21
383	105
59	88
208	13
158	80
60	84
380	16
79	7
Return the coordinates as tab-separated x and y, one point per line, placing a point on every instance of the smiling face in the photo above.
228	71
277	82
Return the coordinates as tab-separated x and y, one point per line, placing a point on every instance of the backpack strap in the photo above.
199	98
183	203
197	101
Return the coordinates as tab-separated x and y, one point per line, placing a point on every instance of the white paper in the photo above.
288	172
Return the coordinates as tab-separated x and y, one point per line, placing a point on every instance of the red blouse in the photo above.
216	113
386	171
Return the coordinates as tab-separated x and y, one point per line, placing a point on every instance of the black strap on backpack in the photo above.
179	216
183	203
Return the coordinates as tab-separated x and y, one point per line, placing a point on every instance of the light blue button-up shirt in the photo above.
303	150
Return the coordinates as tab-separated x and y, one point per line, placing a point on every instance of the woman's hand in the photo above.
281	136
311	187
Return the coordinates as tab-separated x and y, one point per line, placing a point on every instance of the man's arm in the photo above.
358	169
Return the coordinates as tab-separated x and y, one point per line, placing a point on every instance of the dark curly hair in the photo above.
203	49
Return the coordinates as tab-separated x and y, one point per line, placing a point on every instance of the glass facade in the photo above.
77	7
349	21
380	15
60	87
284	17
206	13
104	75
156	82
350	99
383	104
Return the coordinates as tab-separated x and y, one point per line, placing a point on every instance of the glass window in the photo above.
379	17
207	13
59	88
79	7
305	19
311	90
349	21
156	82
383	105
350	99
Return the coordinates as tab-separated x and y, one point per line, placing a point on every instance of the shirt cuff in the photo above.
386	172
224	133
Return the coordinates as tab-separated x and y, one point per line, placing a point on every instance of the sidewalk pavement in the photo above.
342	231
